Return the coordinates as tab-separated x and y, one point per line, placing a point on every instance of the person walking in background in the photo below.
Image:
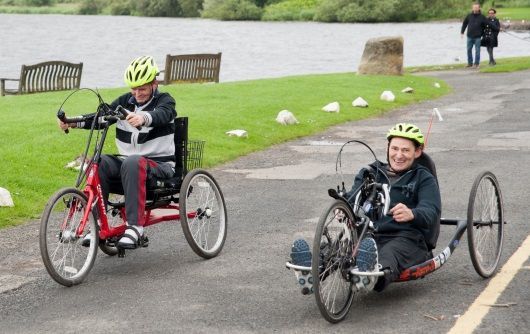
491	32
475	23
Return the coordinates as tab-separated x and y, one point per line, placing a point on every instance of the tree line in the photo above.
282	10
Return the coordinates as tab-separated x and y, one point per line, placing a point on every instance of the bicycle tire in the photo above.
65	259
203	215
485	224
329	259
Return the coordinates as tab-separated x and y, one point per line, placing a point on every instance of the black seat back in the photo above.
426	161
181	146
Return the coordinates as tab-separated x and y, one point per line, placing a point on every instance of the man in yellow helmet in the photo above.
406	236
145	145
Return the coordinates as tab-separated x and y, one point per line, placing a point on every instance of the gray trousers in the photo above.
397	254
130	176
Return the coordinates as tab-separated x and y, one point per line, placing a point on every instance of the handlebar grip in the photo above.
62	117
124	112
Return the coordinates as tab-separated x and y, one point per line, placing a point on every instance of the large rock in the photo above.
383	55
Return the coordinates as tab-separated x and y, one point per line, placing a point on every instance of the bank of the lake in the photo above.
34	151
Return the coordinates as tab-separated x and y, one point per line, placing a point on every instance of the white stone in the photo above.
5	198
332	107
285	117
437	85
388	96
76	163
360	102
237	133
408	90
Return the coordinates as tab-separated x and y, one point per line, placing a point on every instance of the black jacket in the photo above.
156	138
491	31
417	189
475	24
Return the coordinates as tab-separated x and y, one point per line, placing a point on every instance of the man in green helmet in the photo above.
145	145
407	234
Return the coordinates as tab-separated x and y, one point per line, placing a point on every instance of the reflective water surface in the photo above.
251	50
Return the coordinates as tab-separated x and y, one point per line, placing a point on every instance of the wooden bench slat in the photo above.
46	76
192	68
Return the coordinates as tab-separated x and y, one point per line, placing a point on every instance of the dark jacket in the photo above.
156	138
475	24
491	31
417	189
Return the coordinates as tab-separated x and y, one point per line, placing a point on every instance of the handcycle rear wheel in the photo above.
65	259
203	213
485	220
332	256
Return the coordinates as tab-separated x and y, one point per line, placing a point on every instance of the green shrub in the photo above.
290	10
37	3
368	11
91	7
191	8
231	10
158	8
121	7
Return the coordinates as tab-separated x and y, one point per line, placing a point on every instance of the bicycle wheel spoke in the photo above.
331	254
67	261
205	221
485	224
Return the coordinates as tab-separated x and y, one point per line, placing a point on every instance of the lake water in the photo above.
251	50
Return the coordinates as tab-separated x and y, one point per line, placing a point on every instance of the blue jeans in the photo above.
470	43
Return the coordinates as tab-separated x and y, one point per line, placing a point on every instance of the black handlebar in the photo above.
68	120
62	117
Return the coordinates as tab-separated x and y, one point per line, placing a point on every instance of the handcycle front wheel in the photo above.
67	261
485	224
332	256
203	213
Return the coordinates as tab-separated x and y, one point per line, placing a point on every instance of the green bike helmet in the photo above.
141	71
406	130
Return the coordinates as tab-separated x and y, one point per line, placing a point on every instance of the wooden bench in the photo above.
192	68
45	77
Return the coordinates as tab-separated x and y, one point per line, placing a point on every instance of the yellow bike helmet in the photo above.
141	71
406	130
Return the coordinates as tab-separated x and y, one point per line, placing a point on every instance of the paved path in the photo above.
276	195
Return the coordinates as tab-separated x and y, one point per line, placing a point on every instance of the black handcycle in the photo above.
334	276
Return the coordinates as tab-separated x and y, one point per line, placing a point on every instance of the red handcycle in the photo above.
334	277
192	197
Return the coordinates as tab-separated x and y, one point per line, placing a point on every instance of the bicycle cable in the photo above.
338	162
82	169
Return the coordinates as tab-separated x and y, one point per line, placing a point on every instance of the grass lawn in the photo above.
521	13
34	151
60	8
511	64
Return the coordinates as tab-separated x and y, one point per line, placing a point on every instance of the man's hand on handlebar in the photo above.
401	213
135	120
65	126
